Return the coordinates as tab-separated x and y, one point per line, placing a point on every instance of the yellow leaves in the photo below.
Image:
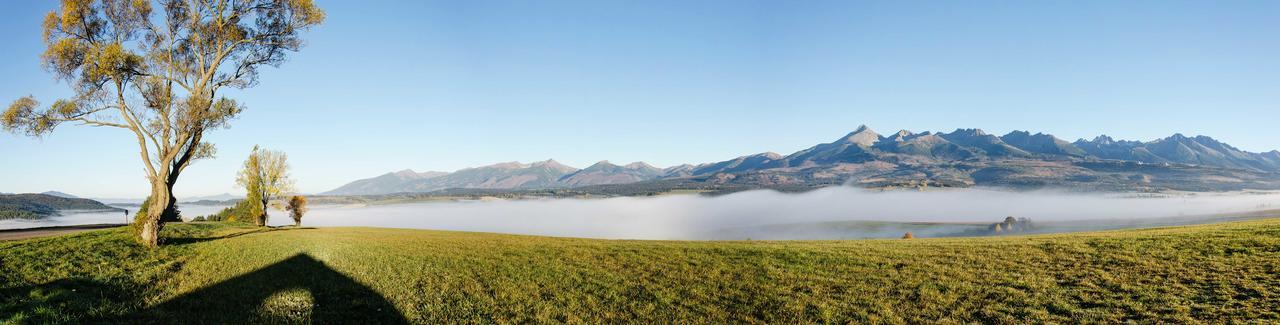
22	116
112	61
142	8
265	172
50	24
205	150
65	55
19	111
74	12
306	13
65	108
222	111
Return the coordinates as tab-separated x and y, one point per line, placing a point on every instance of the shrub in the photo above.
297	207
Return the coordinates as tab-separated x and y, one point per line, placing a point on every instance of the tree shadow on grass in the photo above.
71	300
299	289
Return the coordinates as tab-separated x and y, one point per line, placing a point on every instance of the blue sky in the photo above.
429	85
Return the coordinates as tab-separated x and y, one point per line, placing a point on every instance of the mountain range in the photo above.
961	158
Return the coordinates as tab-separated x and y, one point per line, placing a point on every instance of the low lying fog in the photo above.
831	213
773	215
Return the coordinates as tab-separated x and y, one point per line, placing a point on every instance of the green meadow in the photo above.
229	273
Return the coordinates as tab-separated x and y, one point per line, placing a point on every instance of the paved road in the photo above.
15	234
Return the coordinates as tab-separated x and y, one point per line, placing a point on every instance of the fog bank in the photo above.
773	215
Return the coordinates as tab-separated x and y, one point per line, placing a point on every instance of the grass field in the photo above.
216	273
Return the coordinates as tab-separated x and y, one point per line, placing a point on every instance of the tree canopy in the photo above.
265	176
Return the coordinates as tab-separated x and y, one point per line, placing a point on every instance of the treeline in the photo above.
6	214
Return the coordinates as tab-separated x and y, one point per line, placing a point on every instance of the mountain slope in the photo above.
924	145
1041	143
745	163
852	148
385	184
607	173
989	145
510	175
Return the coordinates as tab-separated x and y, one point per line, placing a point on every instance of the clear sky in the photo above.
430	85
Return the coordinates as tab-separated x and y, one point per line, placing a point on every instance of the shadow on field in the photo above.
193	240
52	302
299	289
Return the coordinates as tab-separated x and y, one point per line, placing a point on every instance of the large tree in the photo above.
266	176
159	75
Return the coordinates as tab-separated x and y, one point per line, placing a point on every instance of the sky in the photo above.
443	85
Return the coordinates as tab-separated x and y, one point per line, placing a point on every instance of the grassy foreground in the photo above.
216	273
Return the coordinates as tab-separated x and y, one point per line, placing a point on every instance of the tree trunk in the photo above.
262	219
161	210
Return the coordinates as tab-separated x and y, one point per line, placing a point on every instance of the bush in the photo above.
297	207
246	210
141	215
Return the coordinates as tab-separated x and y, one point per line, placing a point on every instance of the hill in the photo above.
60	194
961	158
216	273
35	206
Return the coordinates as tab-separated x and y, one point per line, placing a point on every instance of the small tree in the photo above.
265	176
297	207
159	69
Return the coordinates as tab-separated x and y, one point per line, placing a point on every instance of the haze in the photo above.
698	217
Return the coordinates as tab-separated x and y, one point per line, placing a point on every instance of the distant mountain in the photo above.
607	173
219	197
745	163
987	144
384	184
511	175
1107	148
684	170
962	158
925	145
60	194
1272	156
1180	149
34	206
504	176
852	148
1041	143
971	157
1206	151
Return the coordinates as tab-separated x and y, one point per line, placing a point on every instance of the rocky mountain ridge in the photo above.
961	158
